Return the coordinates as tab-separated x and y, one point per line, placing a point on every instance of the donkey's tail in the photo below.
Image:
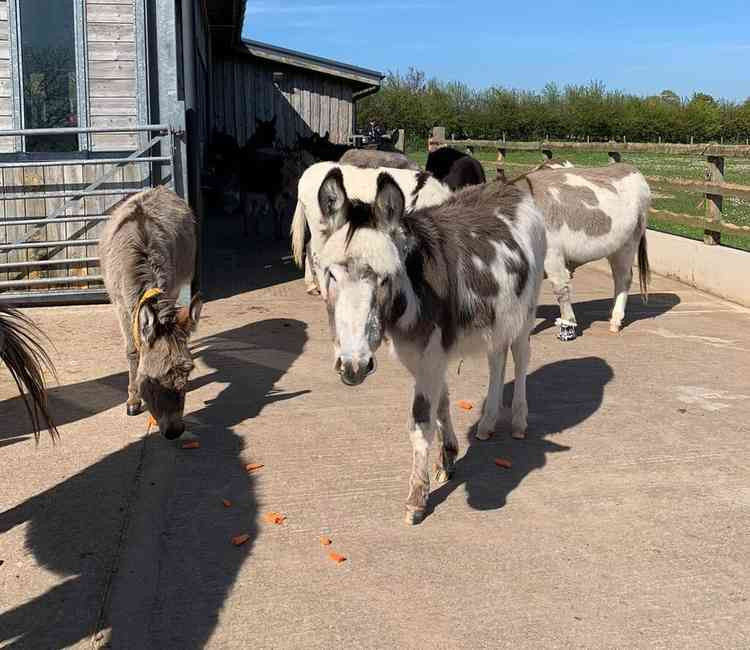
644	268
299	226
27	360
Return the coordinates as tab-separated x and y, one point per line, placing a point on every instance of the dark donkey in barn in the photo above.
27	360
147	254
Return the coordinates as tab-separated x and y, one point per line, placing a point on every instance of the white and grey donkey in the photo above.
147	254
454	279
592	213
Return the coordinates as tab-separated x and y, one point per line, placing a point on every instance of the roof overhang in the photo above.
365	81
226	15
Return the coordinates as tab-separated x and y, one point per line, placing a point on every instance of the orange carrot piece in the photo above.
503	462
252	467
191	444
338	559
465	405
239	540
326	541
151	422
275	518
226	503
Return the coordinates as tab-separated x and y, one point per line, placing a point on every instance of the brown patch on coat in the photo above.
372	159
576	206
442	242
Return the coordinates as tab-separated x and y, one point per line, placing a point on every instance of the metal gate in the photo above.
52	211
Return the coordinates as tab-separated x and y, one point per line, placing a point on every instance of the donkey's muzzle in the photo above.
354	375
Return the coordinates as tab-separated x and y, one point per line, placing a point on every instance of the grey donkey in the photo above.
147	253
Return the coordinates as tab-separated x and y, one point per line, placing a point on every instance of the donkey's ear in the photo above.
147	323
327	136
332	195
389	203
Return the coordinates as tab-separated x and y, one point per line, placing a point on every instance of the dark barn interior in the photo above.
156	92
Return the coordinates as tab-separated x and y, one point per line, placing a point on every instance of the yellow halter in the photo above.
147	295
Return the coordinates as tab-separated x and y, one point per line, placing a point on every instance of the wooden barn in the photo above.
102	98
305	93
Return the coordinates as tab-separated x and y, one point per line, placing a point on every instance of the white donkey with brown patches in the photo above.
454	279
591	214
420	189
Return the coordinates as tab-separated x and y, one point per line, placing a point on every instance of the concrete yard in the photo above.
624	522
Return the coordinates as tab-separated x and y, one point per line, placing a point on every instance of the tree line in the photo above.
412	102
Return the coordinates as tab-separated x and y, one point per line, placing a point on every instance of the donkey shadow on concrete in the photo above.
561	395
152	569
595	311
67	404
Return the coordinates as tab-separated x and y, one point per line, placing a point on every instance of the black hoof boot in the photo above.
135	409
567	330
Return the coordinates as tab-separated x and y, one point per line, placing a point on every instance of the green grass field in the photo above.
736	211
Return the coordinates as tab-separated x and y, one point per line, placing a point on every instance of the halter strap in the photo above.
147	295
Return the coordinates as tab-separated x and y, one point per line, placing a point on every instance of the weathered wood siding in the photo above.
6	104
110	38
303	102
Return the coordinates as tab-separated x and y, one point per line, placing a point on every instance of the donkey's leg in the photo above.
445	464
428	388
311	283
621	264
521	349
134	405
496	358
559	276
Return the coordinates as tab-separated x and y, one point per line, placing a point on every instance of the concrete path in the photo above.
624	522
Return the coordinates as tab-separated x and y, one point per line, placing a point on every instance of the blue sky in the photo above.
638	46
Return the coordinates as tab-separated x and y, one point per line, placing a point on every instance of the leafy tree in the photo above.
413	102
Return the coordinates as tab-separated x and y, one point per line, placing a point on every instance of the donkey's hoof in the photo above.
414	517
135	409
518	435
443	475
483	434
567	333
313	291
614	328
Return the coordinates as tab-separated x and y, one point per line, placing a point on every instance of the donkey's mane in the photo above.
364	244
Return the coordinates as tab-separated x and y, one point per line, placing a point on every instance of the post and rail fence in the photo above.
713	188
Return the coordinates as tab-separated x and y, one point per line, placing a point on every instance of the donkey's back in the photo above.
150	238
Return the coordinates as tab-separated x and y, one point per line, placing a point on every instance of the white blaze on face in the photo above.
353	300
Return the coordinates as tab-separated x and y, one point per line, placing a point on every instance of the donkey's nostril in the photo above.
371	366
338	365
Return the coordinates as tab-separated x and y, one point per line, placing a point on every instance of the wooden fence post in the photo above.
714	202
614	157
438	133
401	141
